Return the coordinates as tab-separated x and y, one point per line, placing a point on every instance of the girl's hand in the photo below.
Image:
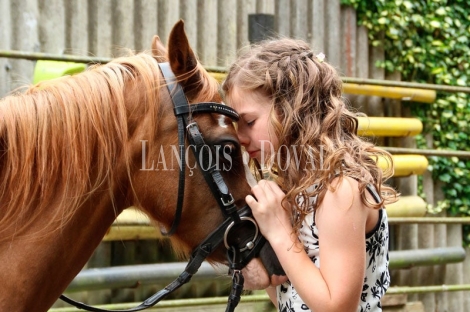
273	220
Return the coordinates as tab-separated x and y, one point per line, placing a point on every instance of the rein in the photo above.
238	254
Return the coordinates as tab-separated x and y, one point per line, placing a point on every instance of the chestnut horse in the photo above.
76	151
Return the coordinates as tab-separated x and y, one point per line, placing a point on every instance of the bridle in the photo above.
239	251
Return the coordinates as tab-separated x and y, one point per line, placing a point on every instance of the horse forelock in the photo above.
61	140
210	88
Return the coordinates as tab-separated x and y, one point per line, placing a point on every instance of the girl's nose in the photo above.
244	139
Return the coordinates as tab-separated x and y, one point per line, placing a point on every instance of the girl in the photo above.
324	183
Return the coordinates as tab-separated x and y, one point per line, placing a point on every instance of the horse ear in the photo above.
158	49
182	57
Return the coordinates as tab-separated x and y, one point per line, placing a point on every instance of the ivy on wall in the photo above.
429	41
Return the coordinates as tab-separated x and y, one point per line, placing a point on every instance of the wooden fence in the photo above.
217	29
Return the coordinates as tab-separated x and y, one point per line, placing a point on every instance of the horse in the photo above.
76	151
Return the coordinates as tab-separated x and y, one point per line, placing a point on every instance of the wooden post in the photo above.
349	48
392	109
100	28
426	240
244	9
466	278
76	27
282	25
52	26
145	24
317	26
264	6
374	105
24	37
409	233
454	272
362	67
298	19
187	9
226	33
207	31
5	43
333	32
348	45
440	240
168	14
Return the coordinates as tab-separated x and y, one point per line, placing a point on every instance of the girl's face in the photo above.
254	129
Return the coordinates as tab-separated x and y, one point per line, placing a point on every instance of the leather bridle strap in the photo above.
238	257
183	112
177	97
197	258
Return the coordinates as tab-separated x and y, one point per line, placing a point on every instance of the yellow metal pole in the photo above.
407	206
389	126
218	76
132	232
399	93
406	165
132	224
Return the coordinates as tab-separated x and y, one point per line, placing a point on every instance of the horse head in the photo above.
201	214
77	151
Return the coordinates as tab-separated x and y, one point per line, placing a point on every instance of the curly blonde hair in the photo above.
310	117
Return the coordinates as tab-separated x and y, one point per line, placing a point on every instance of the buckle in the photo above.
229	202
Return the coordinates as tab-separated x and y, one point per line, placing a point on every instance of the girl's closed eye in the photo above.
250	123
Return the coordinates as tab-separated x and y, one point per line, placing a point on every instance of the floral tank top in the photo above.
376	279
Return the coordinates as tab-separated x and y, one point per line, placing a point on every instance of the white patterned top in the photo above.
376	279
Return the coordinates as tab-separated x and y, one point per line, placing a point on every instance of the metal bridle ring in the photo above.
248	245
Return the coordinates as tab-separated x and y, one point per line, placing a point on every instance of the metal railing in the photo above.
132	276
360	81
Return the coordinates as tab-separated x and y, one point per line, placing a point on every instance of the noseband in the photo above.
238	254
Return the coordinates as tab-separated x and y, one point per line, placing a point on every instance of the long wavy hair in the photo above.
317	132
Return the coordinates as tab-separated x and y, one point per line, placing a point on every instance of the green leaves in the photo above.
429	41
435	24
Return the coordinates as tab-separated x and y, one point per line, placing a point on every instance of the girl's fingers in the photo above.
259	191
251	201
267	197
271	188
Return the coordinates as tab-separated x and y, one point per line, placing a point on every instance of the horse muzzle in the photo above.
249	251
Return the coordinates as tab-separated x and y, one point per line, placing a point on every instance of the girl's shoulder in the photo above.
344	191
343	195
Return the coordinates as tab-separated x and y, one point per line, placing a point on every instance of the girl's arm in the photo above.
271	291
341	220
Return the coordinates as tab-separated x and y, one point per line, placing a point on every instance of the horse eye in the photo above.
228	148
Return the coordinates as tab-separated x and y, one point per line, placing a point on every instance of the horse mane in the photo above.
61	140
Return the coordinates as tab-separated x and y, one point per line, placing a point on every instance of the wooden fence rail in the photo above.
67	61
361	85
